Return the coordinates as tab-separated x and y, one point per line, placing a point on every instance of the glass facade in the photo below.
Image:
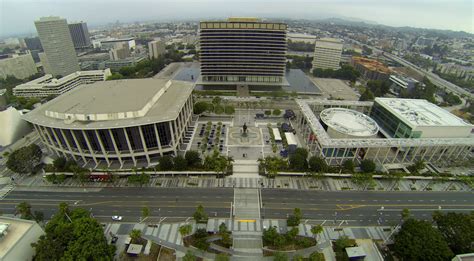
391	124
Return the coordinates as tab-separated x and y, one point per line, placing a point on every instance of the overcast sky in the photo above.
17	16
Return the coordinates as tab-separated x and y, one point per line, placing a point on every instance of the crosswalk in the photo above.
5	190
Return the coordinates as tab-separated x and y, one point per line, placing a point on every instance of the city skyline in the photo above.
456	15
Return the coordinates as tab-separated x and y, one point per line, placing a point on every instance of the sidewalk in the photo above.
299	183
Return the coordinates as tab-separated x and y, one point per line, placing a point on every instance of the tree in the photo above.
405	214
280	256
457	229
145	212
222	257
135	234
200	215
25	160
318	164
316	230
200	107
292	233
418	240
193	159
185	230
24	209
223	228
73	235
367	95
165	163
295	218
276	112
180	163
316	256
60	164
367	166
348	166
39	216
343	242
189	256
270	235
417	166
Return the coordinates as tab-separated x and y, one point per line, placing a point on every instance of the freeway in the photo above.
348	207
434	78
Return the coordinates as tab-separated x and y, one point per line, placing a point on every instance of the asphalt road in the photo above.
343	207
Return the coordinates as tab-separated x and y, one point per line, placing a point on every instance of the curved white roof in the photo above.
349	122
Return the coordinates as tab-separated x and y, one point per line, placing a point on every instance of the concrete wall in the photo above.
23	250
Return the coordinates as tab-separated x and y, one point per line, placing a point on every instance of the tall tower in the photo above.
327	54
80	34
57	44
243	51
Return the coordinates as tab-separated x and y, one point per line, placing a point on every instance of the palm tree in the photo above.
135	234
316	230
185	230
24	209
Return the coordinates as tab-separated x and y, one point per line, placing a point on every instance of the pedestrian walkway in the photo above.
245	169
5	189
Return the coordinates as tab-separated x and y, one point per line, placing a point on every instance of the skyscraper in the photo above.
327	54
79	34
57	44
156	48
243	52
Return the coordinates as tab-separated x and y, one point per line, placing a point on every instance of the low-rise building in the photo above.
400	83
19	66
117	64
119	52
111	43
48	86
370	69
16	236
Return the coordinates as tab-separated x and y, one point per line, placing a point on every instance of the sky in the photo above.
18	16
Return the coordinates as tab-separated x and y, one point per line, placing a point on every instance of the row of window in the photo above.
228	78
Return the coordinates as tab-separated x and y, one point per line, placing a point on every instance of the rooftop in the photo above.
15	229
48	80
109	104
371	64
349	122
417	112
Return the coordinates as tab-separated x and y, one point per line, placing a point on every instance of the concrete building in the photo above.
117	124
16	236
400	83
47	85
79	34
407	132
243	51
156	48
108	44
19	66
119	52
33	43
327	54
58	46
116	65
12	126
299	37
370	69
344	123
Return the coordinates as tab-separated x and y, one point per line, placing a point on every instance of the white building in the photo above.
156	48
12	126
16	236
119	52
117	124
58	46
327	54
108	44
47	85
19	66
400	83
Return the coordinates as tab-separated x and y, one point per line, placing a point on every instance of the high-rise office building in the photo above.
243	52
57	44
79	34
156	48
33	43
327	54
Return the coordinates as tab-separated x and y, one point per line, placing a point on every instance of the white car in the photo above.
117	218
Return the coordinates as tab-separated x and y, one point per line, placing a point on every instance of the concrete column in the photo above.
158	139
130	147
452	150
43	138
78	146
144	144
119	156
424	153
102	148
53	145
442	152
416	153
396	154
406	154
90	148
434	152
68	145
60	145
461	150
173	137
468	148
377	155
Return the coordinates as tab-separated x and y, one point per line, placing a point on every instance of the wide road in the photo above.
346	207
